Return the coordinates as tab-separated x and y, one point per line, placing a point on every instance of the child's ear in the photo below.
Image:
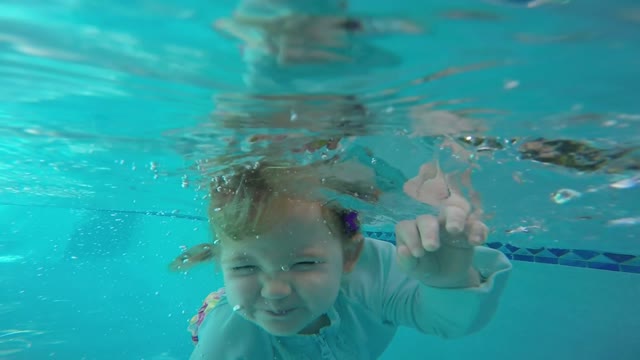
352	251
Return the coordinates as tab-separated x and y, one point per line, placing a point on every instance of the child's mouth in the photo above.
279	313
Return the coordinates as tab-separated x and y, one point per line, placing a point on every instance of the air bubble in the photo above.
237	307
628	221
284	268
564	195
511	84
627	183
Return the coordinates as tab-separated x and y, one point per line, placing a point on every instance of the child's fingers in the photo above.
405	259
455	219
477	233
407	235
429	230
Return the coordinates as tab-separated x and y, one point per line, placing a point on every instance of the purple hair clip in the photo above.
350	219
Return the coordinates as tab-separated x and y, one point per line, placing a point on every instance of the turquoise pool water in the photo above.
107	112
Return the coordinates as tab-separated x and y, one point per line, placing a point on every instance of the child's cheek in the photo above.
242	290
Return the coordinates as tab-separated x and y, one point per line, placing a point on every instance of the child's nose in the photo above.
275	287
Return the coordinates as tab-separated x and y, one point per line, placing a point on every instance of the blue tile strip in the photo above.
567	257
588	259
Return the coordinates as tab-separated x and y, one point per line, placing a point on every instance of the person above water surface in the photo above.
298	46
302	282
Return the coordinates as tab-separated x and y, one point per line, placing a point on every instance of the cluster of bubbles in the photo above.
565	195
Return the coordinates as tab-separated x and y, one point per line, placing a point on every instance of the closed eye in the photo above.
245	269
304	265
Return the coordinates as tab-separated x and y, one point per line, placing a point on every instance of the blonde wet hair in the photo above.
241	202
243	197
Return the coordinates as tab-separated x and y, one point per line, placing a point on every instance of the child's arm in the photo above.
446	312
438	279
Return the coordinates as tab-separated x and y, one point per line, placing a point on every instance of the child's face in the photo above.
286	279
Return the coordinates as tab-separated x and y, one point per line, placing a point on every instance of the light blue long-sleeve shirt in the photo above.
375	298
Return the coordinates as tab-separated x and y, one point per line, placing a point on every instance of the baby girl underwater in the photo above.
302	282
